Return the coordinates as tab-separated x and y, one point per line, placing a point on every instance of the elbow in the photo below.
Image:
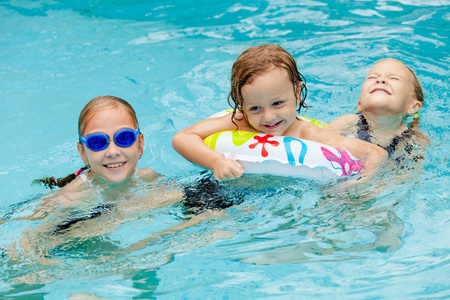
383	154
176	141
379	154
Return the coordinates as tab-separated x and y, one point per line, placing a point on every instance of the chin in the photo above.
118	179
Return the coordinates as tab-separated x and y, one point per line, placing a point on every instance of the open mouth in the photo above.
272	126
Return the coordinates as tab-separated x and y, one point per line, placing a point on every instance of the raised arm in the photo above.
189	143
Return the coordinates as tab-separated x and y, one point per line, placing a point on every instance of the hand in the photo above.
227	168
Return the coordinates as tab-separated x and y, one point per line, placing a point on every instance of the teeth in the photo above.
271	125
114	165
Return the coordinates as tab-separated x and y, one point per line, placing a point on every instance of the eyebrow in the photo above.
389	74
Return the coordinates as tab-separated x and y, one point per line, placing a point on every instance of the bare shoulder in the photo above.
71	194
343	124
308	131
239	122
420	138
75	185
148	174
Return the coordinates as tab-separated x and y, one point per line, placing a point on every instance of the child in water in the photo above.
266	89
109	192
110	144
391	92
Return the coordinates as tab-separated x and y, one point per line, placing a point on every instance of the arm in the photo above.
344	124
189	143
371	155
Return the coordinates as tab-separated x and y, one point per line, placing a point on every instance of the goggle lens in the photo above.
97	143
124	138
100	141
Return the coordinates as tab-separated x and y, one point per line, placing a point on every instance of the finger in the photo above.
238	168
238	172
224	176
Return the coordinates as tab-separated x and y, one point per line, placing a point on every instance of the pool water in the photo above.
171	60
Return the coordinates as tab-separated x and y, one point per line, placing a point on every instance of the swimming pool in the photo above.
171	60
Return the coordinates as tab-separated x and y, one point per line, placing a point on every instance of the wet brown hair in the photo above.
256	61
52	182
95	105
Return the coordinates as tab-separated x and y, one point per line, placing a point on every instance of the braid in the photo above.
52	182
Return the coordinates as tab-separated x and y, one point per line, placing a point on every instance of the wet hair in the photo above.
51	182
258	60
103	103
92	107
416	84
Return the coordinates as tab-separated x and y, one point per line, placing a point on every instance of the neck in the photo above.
115	187
384	123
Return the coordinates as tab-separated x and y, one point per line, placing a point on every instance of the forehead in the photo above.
273	81
109	117
391	66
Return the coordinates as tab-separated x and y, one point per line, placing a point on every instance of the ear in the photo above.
140	139
358	107
82	153
415	107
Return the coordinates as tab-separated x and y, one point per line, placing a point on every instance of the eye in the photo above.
254	108
278	103
371	77
395	78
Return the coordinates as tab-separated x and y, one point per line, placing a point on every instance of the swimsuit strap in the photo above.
407	134
364	133
83	176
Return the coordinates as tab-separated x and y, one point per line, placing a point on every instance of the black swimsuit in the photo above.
96	211
365	134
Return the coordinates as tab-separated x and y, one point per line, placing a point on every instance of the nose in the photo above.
113	150
381	80
269	115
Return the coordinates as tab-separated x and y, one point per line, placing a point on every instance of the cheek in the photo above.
251	119
365	87
93	157
133	152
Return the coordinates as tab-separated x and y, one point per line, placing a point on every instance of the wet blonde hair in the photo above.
103	103
416	83
258	60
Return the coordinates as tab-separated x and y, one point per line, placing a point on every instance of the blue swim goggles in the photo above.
100	141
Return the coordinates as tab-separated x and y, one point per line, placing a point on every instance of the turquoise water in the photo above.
171	60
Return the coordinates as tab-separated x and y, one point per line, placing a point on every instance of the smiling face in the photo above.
388	90
270	103
115	164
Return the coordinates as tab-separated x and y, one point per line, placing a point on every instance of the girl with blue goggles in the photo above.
99	141
118	165
119	168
